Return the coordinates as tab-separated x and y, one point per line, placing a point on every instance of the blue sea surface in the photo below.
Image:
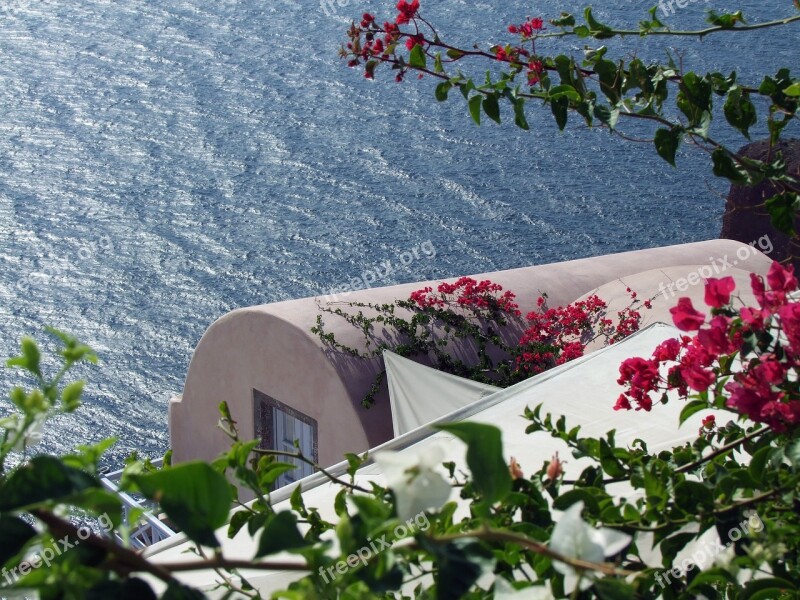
164	162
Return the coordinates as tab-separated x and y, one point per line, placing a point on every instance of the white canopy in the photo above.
584	391
420	394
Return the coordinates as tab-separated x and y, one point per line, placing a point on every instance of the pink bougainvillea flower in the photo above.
718	291
515	469
555	469
408	10
781	279
685	317
414	40
667	350
790	323
622	403
715	338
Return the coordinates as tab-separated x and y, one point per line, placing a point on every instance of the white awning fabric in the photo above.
420	394
583	391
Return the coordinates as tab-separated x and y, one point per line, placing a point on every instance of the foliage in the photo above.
504	538
625	95
474	330
508	535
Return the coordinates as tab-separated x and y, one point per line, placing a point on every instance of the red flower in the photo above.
754	317
759	291
622	403
414	40
709	422
515	469
781	279
513	29
718	291
715	339
555	469
770	371
667	350
408	10
790	323
685	317
697	378
535	70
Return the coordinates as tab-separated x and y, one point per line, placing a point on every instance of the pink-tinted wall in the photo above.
271	348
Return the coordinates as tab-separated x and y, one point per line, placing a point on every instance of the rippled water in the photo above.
162	163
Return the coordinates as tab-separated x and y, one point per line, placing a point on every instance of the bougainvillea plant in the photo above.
623	94
744	359
485	325
479	529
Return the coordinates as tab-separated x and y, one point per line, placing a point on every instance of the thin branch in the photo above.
680	33
299	455
124	562
722	450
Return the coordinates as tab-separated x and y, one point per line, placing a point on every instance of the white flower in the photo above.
413	478
32	436
504	591
575	539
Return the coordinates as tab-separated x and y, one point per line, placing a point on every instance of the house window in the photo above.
278	426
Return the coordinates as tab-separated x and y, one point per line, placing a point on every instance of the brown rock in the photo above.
747	220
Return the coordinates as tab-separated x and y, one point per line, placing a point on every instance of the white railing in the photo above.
149	528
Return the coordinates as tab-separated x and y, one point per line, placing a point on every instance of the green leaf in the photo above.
560	108
609	589
280	534
417	58
475	104
712	577
725	167
129	589
268	472
565	91
71	395
598	30
725	20
766	588
667	142
30	358
567	499
238	520
178	591
740	111
43	479
437	67
793	90
492	107
460	565
566	20
14	534
519	114
195	497
783	210
442	90
692	407
694	497
490	475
